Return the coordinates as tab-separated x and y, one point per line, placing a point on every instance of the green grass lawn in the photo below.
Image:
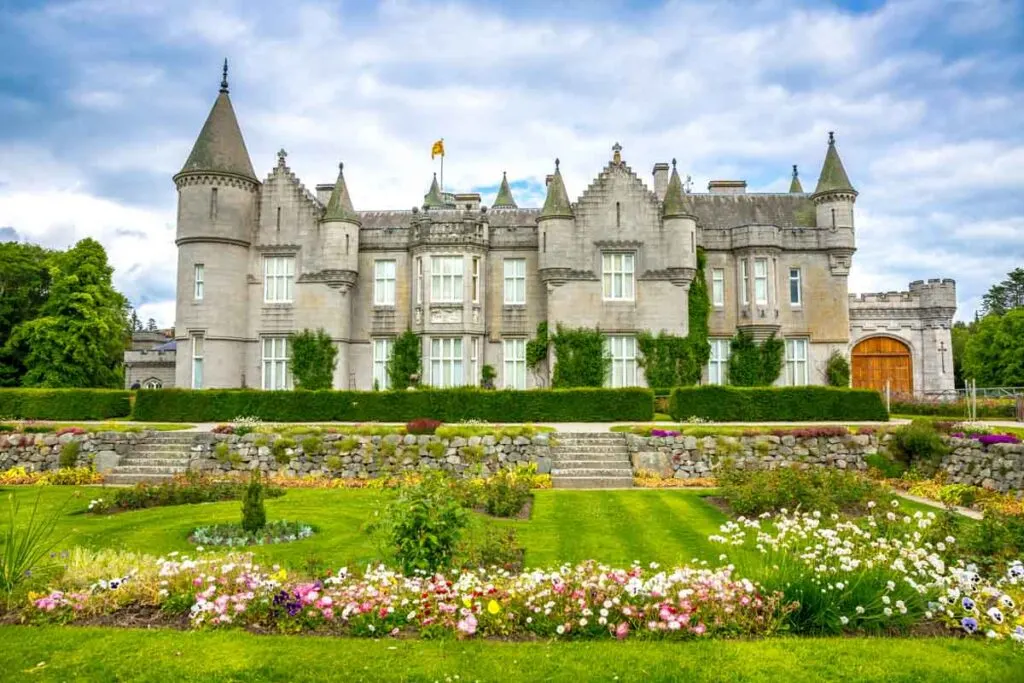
95	654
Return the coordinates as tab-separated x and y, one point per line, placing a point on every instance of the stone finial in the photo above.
224	78
556	164
673	163
831	137
795	174
281	156
617	153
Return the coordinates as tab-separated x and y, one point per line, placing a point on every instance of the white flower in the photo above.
871	504
560	629
887	611
895	503
859	610
844	620
583	621
886	599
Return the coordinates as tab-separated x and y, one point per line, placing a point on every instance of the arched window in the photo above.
153	383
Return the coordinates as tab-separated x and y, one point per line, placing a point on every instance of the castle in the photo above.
258	260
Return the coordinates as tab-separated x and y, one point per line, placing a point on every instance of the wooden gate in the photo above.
878	359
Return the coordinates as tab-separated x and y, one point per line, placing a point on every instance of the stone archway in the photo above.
880	359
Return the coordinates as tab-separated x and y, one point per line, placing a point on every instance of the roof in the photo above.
557	202
833	176
718	211
433	199
795	185
220	147
675	203
504	198
339	208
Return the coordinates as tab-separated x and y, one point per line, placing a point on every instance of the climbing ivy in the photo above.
314	356
752	364
537	348
699	310
581	358
405	361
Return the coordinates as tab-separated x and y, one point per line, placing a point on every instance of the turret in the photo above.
555	225
433	199
340	226
504	200
680	222
834	196
794	185
217	208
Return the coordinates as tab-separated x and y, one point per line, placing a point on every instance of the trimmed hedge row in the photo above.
448	405
769	404
64	404
987	408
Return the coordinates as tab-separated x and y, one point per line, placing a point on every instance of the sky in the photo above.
101	101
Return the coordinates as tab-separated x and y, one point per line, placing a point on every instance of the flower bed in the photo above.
65	476
181	490
233	535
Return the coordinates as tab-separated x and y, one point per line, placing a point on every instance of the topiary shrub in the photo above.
254	513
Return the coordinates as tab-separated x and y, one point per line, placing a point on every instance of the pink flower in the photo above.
622	630
328	613
699	629
467	625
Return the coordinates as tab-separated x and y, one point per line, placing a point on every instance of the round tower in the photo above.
218	197
834	196
555	227
680	222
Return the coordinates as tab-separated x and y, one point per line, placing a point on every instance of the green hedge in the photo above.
448	405
987	408
769	404
64	404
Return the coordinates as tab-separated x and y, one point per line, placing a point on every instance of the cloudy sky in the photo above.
101	100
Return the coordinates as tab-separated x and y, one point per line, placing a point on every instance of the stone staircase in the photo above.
158	459
590	460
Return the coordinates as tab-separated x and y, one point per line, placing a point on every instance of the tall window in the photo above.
718	287
476	279
383	283
213	204
718	363
197	361
381	355
794	287
623	353
761	281
278	279
617	275
474	361
276	371
745	278
446	361
199	282
446	279
515	281
796	362
514	357
419	279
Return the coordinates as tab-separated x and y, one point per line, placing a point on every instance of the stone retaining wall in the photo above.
42	451
999	467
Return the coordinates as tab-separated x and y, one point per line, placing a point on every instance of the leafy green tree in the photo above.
78	339
405	362
1006	295
960	333
994	353
24	284
314	357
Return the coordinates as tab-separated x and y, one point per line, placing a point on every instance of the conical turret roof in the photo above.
220	147
504	198
557	202
794	186
433	199
675	203
339	207
833	176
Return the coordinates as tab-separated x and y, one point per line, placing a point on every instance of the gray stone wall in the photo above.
999	467
38	452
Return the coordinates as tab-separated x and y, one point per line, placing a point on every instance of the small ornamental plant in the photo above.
422	425
254	513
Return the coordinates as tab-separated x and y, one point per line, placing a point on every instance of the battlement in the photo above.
934	293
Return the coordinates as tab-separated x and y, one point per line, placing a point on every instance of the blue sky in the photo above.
100	101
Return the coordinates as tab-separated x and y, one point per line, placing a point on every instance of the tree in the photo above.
314	357
994	354
960	333
24	285
837	370
1006	295
134	321
406	359
151	325
78	338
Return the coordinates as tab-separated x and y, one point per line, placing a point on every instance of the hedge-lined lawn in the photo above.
94	654
665	526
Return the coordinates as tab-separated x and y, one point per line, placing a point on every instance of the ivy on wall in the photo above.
314	356
581	357
406	359
752	364
837	370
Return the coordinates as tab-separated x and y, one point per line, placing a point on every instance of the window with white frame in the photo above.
276	370
419	279
382	349
514	359
476	279
474	361
199	282
197	361
617	270
623	354
796	362
384	283
153	383
718	362
515	281
718	287
446	279
278	279
761	281
795	295
446	361
745	278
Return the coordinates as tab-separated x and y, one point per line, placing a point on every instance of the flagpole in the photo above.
442	168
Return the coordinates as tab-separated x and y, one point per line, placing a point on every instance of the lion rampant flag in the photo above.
437	149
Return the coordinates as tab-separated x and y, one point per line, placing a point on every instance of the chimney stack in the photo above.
660	180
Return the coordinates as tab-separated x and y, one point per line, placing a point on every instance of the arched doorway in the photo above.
880	359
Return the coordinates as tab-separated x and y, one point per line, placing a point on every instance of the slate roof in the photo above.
675	203
833	176
220	147
339	208
557	202
504	198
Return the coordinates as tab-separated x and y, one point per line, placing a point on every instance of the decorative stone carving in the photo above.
445	315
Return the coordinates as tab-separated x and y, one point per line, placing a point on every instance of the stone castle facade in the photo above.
258	260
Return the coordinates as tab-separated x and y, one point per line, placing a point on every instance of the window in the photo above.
794	286
446	361
718	287
419	280
623	353
476	279
514	357
276	374
796	362
446	279
761	281
381	355
515	281
474	361
745	277
383	283
278	279
153	383
197	361
718	363
617	276
213	204
198	295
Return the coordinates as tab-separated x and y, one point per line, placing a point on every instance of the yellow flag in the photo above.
438	148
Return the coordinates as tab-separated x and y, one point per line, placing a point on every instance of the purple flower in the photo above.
663	432
970	624
989	439
968	604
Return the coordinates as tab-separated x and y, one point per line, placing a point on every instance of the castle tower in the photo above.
504	200
555	225
340	234
217	207
678	217
794	186
833	200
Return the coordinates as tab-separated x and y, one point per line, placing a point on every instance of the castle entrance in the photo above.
880	359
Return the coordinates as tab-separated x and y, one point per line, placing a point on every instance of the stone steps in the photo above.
592	482
586	472
132	479
155	460
591	461
575	463
151	469
134	461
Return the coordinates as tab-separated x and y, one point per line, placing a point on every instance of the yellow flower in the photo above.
493	607
466	601
280	576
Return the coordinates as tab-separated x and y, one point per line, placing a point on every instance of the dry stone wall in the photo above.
36	452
